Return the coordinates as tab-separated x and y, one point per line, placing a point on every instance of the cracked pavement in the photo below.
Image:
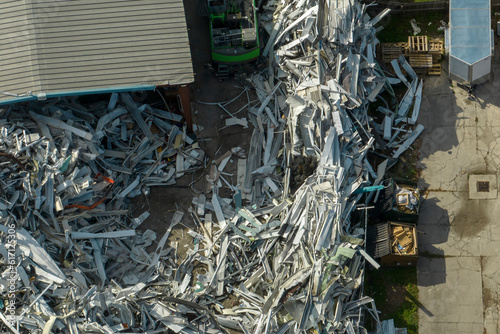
459	238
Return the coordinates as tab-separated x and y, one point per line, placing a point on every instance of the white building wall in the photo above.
481	69
459	68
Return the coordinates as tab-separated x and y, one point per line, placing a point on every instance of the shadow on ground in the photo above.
433	229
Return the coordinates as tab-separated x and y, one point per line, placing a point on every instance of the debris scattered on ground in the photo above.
443	25
402	239
414	26
265	259
424	54
68	172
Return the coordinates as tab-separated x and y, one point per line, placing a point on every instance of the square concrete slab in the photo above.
450	290
482	186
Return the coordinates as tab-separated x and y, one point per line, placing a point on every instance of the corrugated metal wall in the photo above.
18	71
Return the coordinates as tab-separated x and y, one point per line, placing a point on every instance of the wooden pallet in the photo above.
436	57
417	44
420	60
420	71
436	49
434	70
435	46
390	51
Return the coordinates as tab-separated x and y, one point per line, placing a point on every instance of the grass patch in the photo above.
404	171
395	292
397	27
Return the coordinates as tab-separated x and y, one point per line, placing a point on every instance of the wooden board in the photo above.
421	60
390	51
434	70
420	71
435	47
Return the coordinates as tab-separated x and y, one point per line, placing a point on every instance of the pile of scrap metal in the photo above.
295	262
72	260
288	262
265	260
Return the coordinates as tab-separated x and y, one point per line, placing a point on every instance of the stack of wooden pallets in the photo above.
423	54
420	61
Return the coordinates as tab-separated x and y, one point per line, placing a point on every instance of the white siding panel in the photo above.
481	68
459	68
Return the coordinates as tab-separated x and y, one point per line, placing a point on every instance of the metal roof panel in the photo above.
54	45
470	30
468	4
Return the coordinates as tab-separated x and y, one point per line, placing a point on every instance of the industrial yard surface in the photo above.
460	235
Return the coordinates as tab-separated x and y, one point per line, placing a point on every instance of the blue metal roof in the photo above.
470	30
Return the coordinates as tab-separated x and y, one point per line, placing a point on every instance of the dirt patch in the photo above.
395	297
231	301
467	228
471	219
488	298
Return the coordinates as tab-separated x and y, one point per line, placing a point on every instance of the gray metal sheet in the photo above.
481	69
51	46
378	242
459	68
468	17
469	4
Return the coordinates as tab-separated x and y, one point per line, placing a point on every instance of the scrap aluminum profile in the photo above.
286	263
68	173
295	261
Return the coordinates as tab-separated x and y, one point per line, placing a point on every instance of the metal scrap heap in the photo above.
294	261
274	256
69	242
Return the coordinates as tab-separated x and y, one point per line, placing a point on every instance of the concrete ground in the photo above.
459	237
